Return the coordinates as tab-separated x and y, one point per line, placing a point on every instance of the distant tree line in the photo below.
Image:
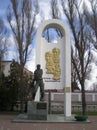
10	92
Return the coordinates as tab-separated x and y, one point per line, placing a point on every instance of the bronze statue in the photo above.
38	82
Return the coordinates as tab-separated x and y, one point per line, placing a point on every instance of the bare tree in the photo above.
21	17
55	14
54	9
74	78
3	45
81	55
91	18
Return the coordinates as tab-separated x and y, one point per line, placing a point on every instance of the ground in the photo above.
7	124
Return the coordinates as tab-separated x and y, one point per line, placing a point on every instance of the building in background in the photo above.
5	68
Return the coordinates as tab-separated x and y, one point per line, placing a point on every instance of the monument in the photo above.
55	60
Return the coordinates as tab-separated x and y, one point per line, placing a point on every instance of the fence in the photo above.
56	101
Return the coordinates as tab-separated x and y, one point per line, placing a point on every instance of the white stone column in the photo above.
67	92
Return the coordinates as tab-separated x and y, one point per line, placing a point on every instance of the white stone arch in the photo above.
65	57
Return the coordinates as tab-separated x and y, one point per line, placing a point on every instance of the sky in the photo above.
31	64
12	52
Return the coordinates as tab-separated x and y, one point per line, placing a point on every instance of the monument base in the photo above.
37	110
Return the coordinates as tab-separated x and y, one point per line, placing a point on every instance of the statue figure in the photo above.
38	82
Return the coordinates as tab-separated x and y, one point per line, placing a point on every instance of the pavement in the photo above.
6	123
51	118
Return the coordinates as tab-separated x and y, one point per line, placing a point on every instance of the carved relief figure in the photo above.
53	63
49	63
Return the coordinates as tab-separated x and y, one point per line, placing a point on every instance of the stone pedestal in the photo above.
37	110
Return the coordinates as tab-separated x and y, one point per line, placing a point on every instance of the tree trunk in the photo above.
83	99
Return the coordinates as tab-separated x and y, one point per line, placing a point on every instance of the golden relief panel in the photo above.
53	63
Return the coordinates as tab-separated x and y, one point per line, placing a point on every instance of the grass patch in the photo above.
52	112
92	113
88	113
76	113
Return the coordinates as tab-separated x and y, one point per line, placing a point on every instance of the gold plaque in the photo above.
53	63
68	89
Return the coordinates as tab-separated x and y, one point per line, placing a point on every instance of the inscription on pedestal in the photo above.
41	106
37	110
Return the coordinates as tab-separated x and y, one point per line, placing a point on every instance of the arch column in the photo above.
65	60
